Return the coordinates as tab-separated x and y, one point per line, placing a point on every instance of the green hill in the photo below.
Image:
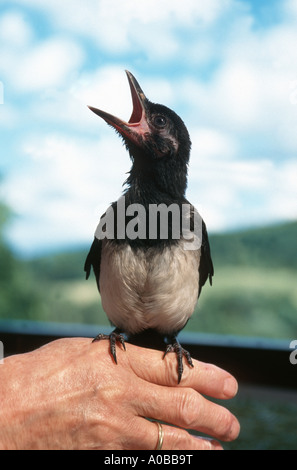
270	247
254	291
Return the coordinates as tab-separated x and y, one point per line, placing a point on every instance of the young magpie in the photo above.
151	283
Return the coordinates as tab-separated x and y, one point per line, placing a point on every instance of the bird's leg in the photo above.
114	337
175	346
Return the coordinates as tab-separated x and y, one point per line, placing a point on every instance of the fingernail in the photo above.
230	387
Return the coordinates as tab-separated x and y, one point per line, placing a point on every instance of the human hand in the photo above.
69	394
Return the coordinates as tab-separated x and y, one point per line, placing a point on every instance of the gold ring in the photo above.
160	436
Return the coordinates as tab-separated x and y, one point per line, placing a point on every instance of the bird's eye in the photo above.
160	121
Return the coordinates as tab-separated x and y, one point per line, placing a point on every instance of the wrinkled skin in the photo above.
70	395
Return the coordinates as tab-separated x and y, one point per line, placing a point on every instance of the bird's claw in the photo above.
114	337
180	352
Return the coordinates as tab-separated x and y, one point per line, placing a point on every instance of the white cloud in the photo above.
283	196
122	26
243	97
62	189
75	12
15	30
233	84
105	88
66	184
29	65
236	91
209	143
290	9
47	65
229	193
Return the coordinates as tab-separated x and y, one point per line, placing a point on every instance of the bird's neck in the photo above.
157	185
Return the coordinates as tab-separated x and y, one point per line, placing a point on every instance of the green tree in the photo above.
19	297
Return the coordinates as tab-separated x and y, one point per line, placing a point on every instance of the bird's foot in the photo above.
114	337
180	352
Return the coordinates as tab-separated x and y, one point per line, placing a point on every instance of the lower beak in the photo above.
137	126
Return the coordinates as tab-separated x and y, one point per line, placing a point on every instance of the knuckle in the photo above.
171	370
190	401
184	440
179	439
228	426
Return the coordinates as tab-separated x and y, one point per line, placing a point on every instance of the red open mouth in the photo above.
138	99
137	124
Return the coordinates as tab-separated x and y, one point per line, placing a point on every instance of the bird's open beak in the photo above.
137	126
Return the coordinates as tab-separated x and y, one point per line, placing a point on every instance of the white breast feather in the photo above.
142	289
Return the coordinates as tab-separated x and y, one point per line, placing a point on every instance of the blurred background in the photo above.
228	68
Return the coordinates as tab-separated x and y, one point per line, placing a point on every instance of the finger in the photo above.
188	409
147	435
179	439
208	379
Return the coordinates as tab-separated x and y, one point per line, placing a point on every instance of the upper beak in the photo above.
137	125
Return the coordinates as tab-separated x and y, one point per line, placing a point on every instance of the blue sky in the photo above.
228	67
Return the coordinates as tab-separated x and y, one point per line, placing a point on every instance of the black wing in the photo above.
94	260
206	270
